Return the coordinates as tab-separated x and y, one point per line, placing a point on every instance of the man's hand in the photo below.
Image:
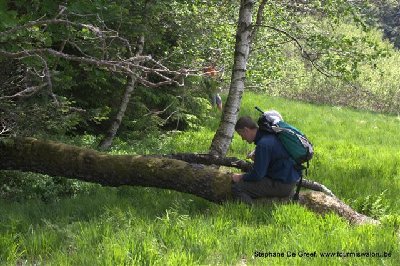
237	177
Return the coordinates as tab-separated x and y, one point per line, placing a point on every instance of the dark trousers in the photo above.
265	188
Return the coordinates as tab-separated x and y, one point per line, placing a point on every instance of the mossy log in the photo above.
245	166
57	159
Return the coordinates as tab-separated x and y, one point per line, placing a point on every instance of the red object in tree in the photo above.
210	71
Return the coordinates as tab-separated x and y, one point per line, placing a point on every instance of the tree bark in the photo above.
57	159
131	83
223	136
245	166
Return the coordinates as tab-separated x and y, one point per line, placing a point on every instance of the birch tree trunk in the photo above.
223	137
131	83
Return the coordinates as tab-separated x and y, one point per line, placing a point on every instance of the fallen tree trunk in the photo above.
245	166
57	159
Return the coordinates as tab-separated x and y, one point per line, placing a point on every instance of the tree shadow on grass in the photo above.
139	203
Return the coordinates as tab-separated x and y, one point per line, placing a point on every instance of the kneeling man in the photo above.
273	174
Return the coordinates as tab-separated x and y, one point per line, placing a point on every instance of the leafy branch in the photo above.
128	64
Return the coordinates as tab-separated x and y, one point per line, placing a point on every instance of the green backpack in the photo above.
294	141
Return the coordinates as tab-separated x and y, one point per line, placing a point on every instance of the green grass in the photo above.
357	156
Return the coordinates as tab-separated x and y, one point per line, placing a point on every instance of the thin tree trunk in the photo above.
131	83
246	34
57	159
259	20
223	137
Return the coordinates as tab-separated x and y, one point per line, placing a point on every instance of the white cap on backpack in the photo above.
273	116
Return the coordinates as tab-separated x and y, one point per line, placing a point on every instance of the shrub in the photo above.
18	186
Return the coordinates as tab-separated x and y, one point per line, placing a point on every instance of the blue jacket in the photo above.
271	160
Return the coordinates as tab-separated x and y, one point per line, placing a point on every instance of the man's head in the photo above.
246	128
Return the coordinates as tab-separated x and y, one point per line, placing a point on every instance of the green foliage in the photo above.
153	110
373	206
38	117
309	53
169	32
385	15
191	34
25	186
373	83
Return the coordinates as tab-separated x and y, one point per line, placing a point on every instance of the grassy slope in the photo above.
357	156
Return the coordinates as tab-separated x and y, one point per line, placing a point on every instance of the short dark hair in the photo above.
245	121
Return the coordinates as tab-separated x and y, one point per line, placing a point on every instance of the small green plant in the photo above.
373	206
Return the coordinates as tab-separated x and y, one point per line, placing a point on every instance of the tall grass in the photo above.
357	155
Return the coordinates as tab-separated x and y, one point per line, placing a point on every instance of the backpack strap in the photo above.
301	167
296	195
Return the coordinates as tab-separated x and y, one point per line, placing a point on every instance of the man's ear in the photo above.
240	130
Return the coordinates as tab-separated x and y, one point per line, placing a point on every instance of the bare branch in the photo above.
157	112
129	65
4	129
46	22
114	66
29	91
150	84
77	110
49	84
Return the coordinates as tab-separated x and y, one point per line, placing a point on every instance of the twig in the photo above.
29	91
